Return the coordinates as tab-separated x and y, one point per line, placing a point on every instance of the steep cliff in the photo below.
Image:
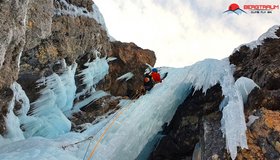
195	130
40	38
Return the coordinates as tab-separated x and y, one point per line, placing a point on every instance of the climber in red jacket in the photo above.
156	76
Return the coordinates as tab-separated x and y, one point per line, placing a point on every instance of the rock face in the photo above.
37	34
12	41
197	120
263	137
130	58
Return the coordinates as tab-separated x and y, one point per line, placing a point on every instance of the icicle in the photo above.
109	59
95	71
14	132
57	96
126	76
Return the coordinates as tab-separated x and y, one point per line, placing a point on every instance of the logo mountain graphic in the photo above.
234	8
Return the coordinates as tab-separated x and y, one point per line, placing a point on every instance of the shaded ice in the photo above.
47	118
14	133
245	86
126	76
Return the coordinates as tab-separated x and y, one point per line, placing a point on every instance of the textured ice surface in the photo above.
48	119
142	119
95	71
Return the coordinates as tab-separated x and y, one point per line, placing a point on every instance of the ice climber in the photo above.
155	76
151	78
148	82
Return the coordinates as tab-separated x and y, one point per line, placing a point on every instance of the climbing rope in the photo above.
105	131
87	150
112	120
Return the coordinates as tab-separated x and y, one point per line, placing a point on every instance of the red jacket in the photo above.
156	77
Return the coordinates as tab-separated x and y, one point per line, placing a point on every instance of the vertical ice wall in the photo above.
207	73
141	120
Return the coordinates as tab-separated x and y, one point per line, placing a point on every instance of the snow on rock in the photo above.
109	59
271	33
126	76
93	97
73	10
252	119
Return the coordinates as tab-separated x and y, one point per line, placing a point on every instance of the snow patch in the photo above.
109	59
126	76
92	98
271	33
252	119
112	39
75	11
